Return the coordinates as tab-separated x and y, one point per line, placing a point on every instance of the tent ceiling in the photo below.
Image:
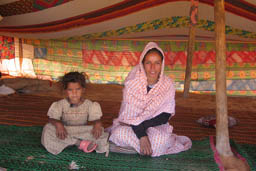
2	2
75	18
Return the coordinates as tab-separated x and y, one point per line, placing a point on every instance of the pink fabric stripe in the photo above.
216	155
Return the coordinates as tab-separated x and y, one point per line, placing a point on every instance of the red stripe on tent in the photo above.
120	9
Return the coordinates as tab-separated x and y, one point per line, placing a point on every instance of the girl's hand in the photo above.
97	129
61	131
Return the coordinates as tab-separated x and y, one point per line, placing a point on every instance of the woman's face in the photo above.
152	66
74	92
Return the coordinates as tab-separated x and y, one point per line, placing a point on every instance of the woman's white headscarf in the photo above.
139	105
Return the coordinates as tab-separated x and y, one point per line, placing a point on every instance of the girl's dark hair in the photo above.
73	77
153	50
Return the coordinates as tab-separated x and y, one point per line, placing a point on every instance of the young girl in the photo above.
68	118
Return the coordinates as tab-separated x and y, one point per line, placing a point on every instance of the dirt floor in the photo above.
30	109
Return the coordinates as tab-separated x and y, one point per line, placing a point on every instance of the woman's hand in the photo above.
97	129
145	146
61	131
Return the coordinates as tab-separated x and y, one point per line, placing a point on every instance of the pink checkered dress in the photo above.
139	105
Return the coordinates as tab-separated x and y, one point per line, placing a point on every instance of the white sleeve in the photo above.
95	112
55	111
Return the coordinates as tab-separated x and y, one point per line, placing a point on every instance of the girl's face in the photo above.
152	66
74	92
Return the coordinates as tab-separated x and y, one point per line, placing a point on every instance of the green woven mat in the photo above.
20	149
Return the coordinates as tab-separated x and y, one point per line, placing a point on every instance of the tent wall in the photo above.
109	61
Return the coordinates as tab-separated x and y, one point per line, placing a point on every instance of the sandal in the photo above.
85	144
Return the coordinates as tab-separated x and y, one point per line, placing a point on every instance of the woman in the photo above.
148	103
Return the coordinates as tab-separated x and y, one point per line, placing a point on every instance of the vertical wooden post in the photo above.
20	54
191	45
190	52
222	134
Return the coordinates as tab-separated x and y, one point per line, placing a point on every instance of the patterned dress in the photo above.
74	120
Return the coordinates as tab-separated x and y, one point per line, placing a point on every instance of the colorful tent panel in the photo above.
109	61
7	50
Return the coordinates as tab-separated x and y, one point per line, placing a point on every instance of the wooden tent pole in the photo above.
190	52
222	134
20	54
229	161
191	46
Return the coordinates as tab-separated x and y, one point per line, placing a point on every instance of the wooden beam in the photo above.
222	133
190	52
229	161
191	45
20	54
